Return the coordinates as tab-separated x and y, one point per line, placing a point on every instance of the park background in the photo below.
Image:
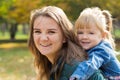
16	61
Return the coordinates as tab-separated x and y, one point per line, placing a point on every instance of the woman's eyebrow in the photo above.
36	29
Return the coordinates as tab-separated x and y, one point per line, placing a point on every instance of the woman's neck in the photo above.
51	59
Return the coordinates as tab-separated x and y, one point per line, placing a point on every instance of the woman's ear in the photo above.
64	40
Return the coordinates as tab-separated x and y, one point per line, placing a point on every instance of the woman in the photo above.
53	44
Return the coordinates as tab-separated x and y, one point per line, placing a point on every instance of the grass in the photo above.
16	62
19	34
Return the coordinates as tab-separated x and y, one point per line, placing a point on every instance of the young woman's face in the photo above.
48	36
89	37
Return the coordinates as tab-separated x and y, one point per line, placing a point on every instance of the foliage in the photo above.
19	10
4	9
117	33
76	6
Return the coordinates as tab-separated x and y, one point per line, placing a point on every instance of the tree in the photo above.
17	12
20	10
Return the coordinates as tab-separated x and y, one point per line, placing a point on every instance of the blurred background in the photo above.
16	62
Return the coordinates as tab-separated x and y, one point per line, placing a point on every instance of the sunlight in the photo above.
14	77
12	45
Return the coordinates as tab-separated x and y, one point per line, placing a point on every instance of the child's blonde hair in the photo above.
102	19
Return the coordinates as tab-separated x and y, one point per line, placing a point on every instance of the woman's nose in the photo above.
44	37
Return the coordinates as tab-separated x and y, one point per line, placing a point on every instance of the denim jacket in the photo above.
69	69
101	57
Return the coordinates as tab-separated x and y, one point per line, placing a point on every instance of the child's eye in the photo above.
91	33
79	32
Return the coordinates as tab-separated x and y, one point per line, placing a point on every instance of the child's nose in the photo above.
85	36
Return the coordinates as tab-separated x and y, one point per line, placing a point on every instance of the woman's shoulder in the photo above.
68	69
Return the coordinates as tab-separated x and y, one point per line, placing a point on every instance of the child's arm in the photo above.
87	68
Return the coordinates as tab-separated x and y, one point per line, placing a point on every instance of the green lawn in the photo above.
16	62
19	35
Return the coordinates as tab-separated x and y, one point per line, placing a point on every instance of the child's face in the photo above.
89	37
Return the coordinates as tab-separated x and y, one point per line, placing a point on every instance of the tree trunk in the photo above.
13	30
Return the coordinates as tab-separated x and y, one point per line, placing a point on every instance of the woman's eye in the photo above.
51	32
37	32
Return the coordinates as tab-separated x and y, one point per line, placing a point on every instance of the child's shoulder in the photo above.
103	45
102	49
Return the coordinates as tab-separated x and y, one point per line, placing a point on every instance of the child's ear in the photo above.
104	34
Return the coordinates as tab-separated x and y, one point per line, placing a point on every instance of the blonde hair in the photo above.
102	19
71	50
